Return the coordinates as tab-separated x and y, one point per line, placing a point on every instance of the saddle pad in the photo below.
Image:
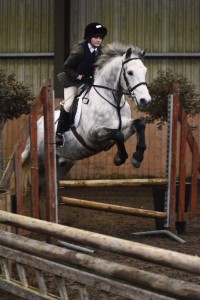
78	111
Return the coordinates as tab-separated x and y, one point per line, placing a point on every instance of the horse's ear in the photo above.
128	53
142	53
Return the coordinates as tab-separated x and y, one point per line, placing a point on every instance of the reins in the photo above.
117	106
112	90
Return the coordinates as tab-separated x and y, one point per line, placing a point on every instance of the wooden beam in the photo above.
102	283
114	208
112	182
154	282
156	255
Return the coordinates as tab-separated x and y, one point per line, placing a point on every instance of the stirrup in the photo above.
60	140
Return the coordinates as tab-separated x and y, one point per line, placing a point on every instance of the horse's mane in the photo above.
113	50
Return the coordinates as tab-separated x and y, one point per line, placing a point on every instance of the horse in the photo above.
104	115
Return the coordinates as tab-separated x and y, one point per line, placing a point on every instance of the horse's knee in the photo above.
139	124
119	136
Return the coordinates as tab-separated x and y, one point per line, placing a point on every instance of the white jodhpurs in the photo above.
69	94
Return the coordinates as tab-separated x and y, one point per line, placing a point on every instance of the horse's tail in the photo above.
26	170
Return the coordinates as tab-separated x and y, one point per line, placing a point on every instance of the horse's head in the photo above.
133	77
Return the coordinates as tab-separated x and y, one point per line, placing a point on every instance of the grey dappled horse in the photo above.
104	116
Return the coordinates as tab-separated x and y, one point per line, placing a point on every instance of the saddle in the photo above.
74	109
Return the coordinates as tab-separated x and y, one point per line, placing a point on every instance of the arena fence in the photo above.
44	105
85	271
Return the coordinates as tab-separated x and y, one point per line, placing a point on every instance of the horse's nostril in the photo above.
143	102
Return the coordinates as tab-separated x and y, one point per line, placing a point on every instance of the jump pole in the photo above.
112	182
145	252
114	208
177	289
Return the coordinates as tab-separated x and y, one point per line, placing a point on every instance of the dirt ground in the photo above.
122	226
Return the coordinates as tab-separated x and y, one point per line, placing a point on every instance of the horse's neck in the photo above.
109	75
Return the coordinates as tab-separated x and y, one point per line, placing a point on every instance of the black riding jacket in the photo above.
80	62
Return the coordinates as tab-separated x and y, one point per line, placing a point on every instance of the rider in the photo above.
79	69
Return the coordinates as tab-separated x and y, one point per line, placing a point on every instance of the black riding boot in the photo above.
64	123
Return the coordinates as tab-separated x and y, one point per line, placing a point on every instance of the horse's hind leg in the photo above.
141	144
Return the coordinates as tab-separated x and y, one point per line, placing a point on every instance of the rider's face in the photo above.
96	41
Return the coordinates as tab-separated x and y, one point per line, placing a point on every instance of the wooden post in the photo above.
194	187
47	97
182	167
34	164
18	181
172	183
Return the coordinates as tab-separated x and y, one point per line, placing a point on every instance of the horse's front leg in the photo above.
121	155
138	156
104	134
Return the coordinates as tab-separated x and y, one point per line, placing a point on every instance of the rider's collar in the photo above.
91	48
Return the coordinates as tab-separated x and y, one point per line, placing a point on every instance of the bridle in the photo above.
130	89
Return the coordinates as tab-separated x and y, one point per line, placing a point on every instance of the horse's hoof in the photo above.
135	163
119	161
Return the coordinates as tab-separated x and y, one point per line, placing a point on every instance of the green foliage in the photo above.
15	97
159	91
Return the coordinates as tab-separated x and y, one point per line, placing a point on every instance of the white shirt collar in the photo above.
91	48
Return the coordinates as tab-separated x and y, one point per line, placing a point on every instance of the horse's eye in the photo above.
130	73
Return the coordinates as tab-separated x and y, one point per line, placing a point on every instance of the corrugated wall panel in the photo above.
31	70
27	27
158	25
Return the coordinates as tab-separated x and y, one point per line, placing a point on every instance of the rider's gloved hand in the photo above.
87	79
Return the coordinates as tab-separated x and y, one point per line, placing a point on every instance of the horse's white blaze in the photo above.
136	72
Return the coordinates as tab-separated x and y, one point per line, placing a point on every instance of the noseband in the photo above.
130	89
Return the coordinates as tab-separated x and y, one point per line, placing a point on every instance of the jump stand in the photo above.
175	208
170	216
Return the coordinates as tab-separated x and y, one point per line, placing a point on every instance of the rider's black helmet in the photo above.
95	30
